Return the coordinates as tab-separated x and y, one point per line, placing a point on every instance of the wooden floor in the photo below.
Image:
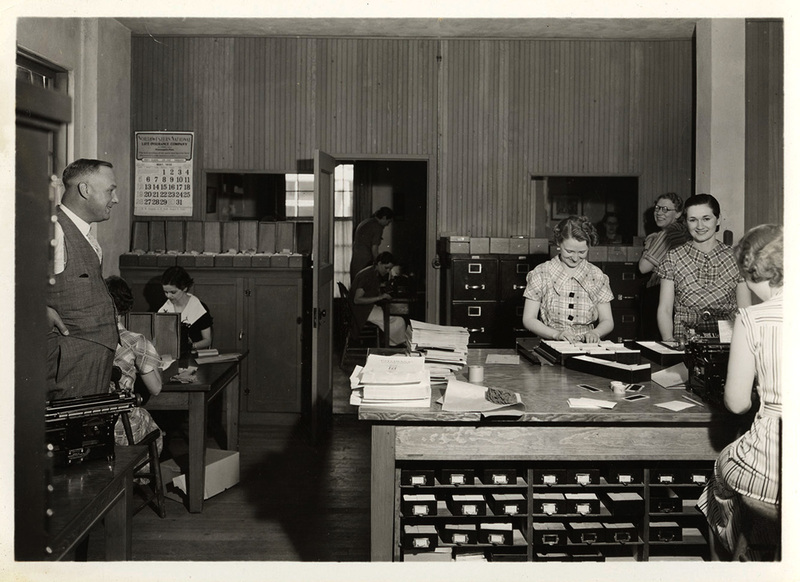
295	501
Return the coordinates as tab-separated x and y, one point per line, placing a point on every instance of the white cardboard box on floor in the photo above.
222	472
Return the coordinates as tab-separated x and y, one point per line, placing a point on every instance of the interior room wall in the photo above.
96	52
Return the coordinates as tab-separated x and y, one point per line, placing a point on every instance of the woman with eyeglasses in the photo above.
700	282
566	295
668	213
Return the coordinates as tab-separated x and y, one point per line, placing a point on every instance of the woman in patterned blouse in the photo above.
750	466
566	295
700	282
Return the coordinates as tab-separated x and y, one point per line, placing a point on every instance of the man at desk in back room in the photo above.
83	338
367	239
366	292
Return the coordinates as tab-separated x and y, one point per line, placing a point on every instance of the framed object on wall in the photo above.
564	206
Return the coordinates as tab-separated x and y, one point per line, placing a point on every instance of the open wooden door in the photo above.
322	296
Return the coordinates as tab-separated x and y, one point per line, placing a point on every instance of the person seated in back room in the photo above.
135	355
567	294
196	320
366	292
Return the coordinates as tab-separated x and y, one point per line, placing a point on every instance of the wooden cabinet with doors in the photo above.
263	311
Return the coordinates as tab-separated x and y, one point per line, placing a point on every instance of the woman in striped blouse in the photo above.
750	466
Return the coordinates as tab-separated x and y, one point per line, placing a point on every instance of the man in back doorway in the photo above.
367	239
366	292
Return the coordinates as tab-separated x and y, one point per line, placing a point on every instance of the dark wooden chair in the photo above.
148	482
760	534
356	341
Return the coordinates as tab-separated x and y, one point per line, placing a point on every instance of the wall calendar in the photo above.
164	184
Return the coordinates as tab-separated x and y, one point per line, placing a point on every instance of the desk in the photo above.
393	306
549	430
84	494
212	381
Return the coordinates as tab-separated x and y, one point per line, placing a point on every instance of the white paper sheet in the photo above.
675	405
590	403
673	376
502	359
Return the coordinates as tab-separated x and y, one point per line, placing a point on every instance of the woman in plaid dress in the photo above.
750	466
699	280
567	292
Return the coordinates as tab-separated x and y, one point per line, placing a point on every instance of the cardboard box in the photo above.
624	503
222	471
508	503
622	533
460	533
538	246
616	254
549	533
549	503
587	532
420	537
499	246
467	505
479	245
186	260
498	534
417	505
518	245
582	503
665	531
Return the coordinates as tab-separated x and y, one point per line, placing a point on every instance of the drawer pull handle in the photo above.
622	537
481	287
421	542
583	478
511	509
665	479
419	510
459	538
517	287
628	276
699	479
477	330
496	539
549	508
550	539
469	510
474	268
589	538
583	508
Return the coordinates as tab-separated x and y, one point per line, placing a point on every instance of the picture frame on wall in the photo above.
564	206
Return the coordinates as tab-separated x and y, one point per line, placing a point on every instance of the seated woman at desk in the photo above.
135	355
700	283
567	294
196	321
750	466
365	294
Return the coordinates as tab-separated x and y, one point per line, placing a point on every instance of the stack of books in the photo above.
394	381
444	347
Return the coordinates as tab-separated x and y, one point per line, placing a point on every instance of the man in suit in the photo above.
83	337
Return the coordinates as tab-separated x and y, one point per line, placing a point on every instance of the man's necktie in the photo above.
95	245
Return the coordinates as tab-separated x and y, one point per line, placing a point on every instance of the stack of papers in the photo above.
590	403
444	346
212	359
396	381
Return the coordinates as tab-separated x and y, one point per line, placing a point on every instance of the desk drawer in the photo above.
480	318
474	279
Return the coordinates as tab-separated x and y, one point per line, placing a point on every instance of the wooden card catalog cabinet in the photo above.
163	329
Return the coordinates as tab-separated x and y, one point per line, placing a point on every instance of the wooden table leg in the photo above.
382	494
196	478
231	413
119	524
386	309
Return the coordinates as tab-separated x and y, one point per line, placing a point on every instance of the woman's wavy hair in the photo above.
759	254
578	228
121	293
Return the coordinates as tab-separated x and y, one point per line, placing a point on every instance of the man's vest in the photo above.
80	295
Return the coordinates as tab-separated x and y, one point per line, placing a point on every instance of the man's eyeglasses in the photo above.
663	209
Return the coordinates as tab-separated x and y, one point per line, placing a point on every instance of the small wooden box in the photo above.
549	533
624	503
140	237
278	260
457	245
266	237
242	260
501	476
499	246
460	533
223	260
158	237
128	260
665	531
538	246
583	476
622	533
479	245
587	532
418	505
296	261
634	253
597	255
194	236
623	474
457	476
616	254
212	238
165	261
248	235
230	236
148	260
498	534
260	261
549	476
204	260
582	503
508	503
284	237
420	537
549	503
518	245
175	236
471	504
186	260
416	477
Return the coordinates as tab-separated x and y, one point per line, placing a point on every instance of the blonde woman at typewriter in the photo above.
567	294
747	472
699	276
135	355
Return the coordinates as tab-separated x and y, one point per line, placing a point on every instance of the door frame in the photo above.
432	279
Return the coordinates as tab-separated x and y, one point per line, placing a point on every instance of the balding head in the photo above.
90	189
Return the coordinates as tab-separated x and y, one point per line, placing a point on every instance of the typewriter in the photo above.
82	428
706	358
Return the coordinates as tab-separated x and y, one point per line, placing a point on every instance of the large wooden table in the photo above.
548	430
213	380
88	492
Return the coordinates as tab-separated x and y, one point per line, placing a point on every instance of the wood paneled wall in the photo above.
763	196
491	113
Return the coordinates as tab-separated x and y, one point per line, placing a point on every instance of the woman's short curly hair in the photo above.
759	254
121	293
177	277
578	228
676	200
